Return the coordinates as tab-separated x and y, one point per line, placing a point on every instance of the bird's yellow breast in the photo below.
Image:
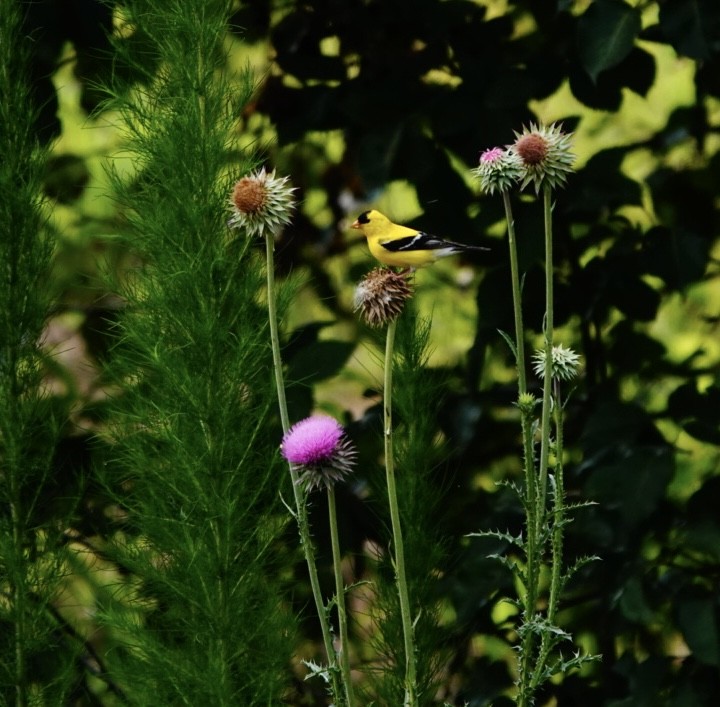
401	259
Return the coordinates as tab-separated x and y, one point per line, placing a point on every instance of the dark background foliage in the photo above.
643	424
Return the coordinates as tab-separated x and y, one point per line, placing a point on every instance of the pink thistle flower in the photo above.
320	450
492	155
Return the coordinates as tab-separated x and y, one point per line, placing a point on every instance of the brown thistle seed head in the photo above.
381	295
249	195
532	149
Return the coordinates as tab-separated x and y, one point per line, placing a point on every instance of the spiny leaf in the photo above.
509	342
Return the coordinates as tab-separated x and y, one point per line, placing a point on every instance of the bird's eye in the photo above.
363	218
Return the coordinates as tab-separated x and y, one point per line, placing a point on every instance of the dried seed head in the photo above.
381	295
249	195
531	149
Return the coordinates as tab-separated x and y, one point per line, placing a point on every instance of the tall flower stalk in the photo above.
540	157
318	450
381	297
262	205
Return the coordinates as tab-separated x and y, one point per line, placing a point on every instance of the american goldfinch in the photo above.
401	246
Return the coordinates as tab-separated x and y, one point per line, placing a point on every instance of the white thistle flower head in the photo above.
545	155
498	169
565	363
261	204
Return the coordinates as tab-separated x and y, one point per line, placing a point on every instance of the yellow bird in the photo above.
401	246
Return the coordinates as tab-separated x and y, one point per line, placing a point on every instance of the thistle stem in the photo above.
531	669
517	294
532	554
300	495
548	374
410	676
557	533
340	599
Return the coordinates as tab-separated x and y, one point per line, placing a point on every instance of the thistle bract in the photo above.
261	204
498	169
565	363
545	156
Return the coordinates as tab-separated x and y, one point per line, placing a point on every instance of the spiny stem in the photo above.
340	599
529	666
557	532
559	507
410	677
298	492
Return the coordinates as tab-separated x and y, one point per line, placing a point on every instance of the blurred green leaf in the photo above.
318	361
697	618
677	256
688	26
606	34
634	485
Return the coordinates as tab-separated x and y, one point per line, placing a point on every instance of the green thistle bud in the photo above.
565	363
527	402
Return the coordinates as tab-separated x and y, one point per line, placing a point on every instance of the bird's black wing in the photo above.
420	241
426	241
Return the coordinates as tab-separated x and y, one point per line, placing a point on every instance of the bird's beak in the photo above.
355	224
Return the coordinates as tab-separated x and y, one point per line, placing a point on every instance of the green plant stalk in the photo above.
517	294
299	494
548	373
340	599
557	532
525	417
533	563
530	667
410	676
559	508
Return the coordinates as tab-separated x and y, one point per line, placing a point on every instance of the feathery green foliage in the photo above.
37	649
201	618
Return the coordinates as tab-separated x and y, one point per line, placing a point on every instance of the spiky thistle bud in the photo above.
261	204
565	363
545	156
499	170
527	402
381	295
320	451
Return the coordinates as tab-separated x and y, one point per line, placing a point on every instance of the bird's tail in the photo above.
462	247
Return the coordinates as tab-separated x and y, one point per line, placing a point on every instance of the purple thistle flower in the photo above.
319	449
